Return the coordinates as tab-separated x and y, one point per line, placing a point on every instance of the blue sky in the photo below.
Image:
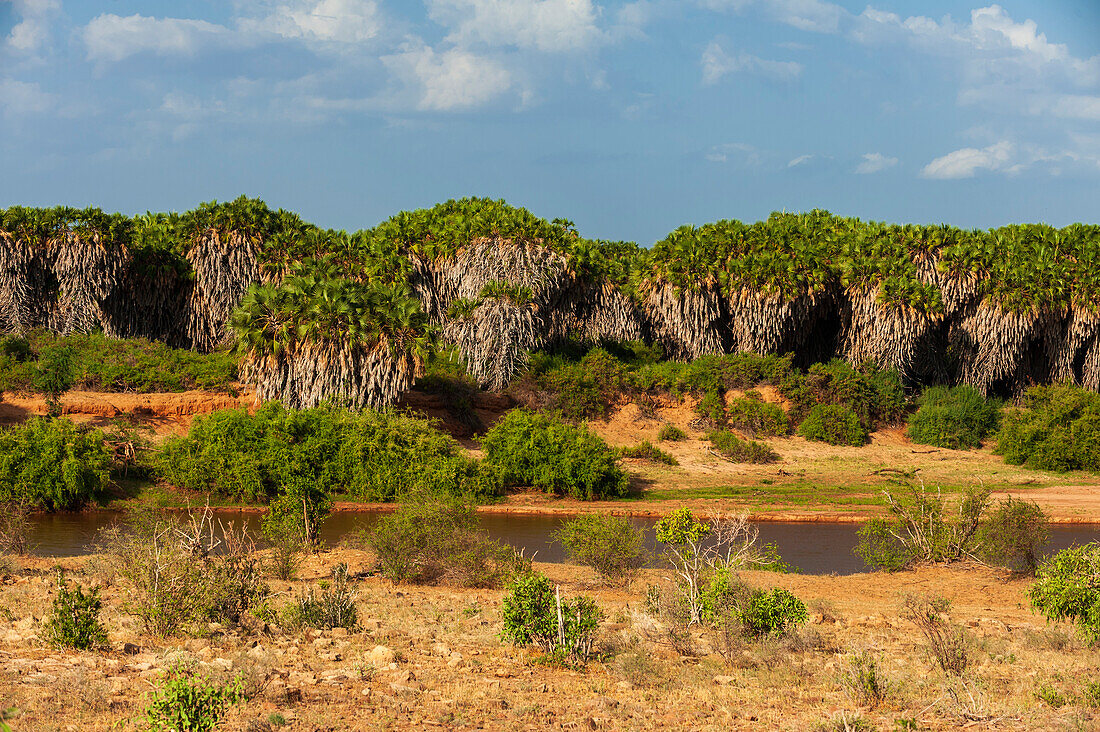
630	118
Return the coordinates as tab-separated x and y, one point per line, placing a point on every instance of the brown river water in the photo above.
813	548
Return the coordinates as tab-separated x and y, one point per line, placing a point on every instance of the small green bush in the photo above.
334	607
53	377
588	388
428	541
735	449
723	597
1067	587
879	548
536	614
755	417
543	451
187	701
52	464
834	424
74	618
611	545
1058	429
876	395
1013	534
671	433
865	681
647	451
958	418
773	612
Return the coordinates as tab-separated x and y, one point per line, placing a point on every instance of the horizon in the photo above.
629	118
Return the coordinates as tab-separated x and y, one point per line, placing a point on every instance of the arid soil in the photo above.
430	658
812	481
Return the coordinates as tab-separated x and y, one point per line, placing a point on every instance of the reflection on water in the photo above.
814	548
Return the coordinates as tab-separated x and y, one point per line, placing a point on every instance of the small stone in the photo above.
380	656
131	649
441	649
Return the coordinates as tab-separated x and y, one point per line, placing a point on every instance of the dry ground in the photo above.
449	671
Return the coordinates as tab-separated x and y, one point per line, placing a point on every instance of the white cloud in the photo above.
716	63
449	80
816	16
32	31
341	21
735	151
543	25
800	160
965	163
20	97
875	163
111	38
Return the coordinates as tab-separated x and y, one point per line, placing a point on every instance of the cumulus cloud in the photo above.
30	34
543	25
965	163
716	63
875	163
112	38
340	21
449	80
20	98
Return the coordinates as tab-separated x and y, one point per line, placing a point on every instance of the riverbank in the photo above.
429	657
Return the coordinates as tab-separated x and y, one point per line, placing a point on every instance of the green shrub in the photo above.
542	451
879	548
52	464
735	449
334	607
834	424
723	597
429	541
647	451
876	395
611	545
186	701
671	433
866	682
536	614
588	388
1058	429
54	376
1067	587
74	618
772	612
755	417
957	418
1013	534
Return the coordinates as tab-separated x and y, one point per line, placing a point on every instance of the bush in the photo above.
865	681
53	377
1013	534
772	612
588	388
536	614
834	424
1067	587
15	528
186	701
611	545
74	618
880	548
647	451
755	417
430	541
948	643
1058	429
51	464
542	451
333	608
671	433
957	418
735	449
875	395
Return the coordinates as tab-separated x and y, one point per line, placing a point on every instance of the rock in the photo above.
455	660
196	644
330	656
25	625
222	664
380	656
441	649
339	632
404	677
725	680
131	649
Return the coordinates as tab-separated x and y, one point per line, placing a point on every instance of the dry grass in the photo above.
451	671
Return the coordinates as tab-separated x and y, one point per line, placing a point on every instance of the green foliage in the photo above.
680	529
645	450
735	449
1013	535
334	607
772	612
671	433
834	424
755	417
187	701
429	541
52	464
535	614
543	451
957	418
588	388
316	453
99	363
74	618
879	548
53	377
875	395
611	545
866	682
1051	696
1067	587
723	597
1057	429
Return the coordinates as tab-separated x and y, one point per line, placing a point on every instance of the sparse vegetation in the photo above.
949	644
671	433
189	701
736	450
74	621
333	607
646	450
1013	535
